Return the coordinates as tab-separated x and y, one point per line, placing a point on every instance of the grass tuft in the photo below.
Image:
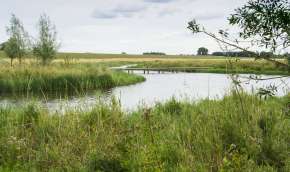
209	135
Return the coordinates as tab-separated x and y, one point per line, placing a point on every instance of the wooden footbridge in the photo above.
162	70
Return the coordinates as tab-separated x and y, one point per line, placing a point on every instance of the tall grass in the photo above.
60	79
210	135
216	64
221	65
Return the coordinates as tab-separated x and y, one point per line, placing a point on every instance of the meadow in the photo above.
209	135
216	64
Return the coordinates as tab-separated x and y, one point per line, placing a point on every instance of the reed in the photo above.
222	65
60	79
209	135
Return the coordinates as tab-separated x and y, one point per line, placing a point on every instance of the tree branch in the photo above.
243	49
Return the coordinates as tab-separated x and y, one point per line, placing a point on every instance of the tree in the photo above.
267	20
17	45
46	46
265	23
11	49
2	46
154	53
202	51
267	54
287	56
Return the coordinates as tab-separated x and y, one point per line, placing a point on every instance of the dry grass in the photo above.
218	64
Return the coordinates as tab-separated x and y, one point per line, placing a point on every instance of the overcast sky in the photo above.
115	26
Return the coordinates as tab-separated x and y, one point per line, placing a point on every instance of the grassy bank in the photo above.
174	136
221	66
216	63
61	79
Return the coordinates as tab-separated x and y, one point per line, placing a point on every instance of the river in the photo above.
157	88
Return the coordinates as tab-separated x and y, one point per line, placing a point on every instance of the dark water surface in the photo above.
156	88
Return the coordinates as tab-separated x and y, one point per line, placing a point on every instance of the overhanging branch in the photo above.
256	55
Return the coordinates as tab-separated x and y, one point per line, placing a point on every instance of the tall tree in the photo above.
2	46
11	49
17	45
46	45
202	51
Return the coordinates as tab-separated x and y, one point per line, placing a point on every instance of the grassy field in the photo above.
174	136
61	79
220	65
216	64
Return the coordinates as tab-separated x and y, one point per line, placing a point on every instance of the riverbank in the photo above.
235	65
233	134
215	64
61	79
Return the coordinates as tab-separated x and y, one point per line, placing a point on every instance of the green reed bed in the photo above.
246	65
210	135
61	79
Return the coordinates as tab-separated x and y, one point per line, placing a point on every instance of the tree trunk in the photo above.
11	62
20	60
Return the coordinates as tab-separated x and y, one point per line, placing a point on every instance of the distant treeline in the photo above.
154	53
246	54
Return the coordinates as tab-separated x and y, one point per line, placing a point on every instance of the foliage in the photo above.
2	46
154	53
202	51
244	54
11	49
287	56
219	65
209	135
61	80
46	46
264	22
267	19
17	45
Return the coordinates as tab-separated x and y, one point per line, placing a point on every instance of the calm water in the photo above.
159	88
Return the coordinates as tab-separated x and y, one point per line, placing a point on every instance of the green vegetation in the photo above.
154	53
16	46
262	23
217	64
221	65
202	51
61	79
210	135
46	46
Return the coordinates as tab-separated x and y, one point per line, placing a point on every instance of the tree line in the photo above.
202	51
154	53
248	54
19	44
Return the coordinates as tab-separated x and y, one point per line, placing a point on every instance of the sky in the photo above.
131	26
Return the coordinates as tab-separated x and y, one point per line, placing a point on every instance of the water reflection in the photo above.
157	88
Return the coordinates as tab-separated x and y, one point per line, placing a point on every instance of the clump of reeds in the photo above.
72	79
209	135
